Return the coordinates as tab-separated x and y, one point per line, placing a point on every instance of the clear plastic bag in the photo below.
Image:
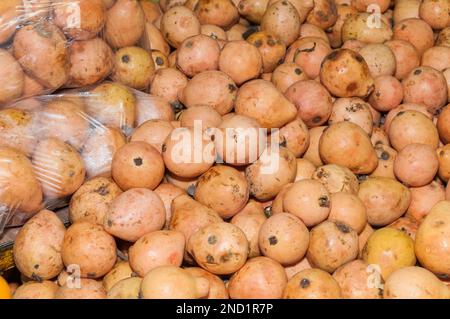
50	144
46	45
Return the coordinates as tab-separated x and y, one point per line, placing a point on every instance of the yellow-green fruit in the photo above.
432	243
390	249
112	104
134	67
415	283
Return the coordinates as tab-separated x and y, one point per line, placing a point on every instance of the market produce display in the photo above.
216	149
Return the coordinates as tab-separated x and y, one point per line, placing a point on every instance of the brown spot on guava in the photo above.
126	58
384	156
343	228
304	283
324	201
212	240
102	190
352	86
332	56
317	119
137	161
232	88
268	211
273	240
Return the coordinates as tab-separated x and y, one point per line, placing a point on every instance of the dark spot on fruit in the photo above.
333	55
102	190
191	190
343	227
417	72
384	156
268	211
241	6
209	259
196	6
258	43
308	50
403	27
159	61
324	201
354	107
36	266
322	15
359	58
298	71
110	223
304	283
189	44
352	86
226	257
317	119
212	240
284	3
320	173
400	113
164	148
36	277
176	106
126	58
250	30
271	42
232	88
137	161
273	240
362	177
377	94
439	223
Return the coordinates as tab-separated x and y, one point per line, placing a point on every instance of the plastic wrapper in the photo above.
46	45
50	144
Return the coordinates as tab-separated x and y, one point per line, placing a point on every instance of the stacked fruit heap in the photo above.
339	109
